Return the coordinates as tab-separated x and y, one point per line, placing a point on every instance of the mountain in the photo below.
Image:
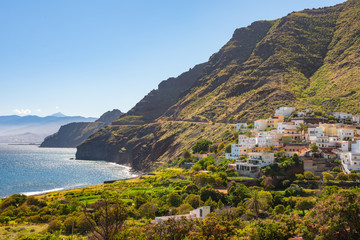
307	59
72	134
59	114
26	129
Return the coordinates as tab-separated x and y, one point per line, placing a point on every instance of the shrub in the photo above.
201	146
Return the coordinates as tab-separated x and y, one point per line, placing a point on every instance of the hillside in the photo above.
72	134
307	59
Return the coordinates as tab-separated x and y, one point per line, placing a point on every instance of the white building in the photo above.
267	139
356	119
315	132
260	124
345	133
248	142
236	151
252	165
301	114
200	212
351	160
281	126
241	126
326	142
285	111
342	115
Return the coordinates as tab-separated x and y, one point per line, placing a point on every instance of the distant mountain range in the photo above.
72	134
33	129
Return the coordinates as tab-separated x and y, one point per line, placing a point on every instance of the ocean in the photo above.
29	170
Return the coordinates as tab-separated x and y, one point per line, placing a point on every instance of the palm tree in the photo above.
255	202
301	128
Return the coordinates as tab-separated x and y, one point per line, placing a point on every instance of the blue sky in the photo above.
85	57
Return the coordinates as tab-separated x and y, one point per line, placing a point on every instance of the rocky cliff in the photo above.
72	134
307	59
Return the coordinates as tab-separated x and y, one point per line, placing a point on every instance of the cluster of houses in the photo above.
258	144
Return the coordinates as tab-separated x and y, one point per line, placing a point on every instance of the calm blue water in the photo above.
29	169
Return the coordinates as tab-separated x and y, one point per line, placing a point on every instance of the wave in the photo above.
42	192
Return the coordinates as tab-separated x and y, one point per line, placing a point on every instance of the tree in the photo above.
279	209
220	147
342	177
327	176
186	154
201	146
211	168
228	148
184	208
255	202
147	210
107	218
193	200
302	128
336	217
304	205
249	134
309	175
174	199
314	148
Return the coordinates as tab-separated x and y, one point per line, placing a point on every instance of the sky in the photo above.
86	57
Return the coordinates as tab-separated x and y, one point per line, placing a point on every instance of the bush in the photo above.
342	177
201	146
279	209
174	199
309	175
327	176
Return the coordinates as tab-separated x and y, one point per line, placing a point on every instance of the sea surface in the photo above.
28	169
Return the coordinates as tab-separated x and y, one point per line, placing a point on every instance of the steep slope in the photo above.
158	101
72	134
307	59
148	146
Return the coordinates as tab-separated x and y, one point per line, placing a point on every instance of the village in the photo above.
302	133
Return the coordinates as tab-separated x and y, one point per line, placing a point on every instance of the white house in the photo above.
285	111
267	139
326	142
356	119
345	133
342	115
236	151
351	160
247	142
315	132
252	165
241	126
281	126
260	124
200	212
301	114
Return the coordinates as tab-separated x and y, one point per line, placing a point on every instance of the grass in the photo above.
89	199
15	231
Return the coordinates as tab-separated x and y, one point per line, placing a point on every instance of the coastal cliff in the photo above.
72	134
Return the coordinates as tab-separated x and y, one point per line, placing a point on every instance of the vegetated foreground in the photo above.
298	205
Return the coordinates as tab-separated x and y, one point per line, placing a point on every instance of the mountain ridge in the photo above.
307	59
